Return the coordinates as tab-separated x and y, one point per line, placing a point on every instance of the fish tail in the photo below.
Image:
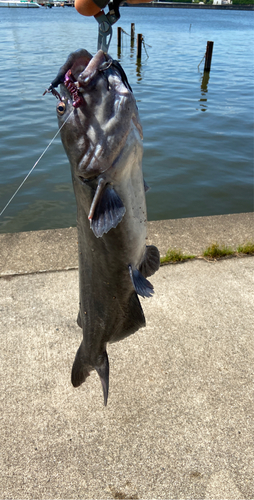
103	372
80	369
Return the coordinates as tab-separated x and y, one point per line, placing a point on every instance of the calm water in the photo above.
198	135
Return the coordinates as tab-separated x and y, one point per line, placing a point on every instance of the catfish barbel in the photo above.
103	141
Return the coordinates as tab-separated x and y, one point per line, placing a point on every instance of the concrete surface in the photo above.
56	249
179	420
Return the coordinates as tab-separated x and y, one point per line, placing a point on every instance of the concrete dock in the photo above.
179	421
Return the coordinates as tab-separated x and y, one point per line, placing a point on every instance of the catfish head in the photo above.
98	101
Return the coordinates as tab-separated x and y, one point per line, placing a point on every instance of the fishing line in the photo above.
36	163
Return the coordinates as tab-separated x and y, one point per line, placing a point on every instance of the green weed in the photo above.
216	252
174	255
248	248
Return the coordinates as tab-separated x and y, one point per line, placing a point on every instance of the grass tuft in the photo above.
215	251
248	248
174	255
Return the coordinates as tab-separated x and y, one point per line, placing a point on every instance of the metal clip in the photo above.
105	31
105	26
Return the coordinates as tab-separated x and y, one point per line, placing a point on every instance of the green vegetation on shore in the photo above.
174	255
216	252
181	1
248	248
243	2
213	252
210	2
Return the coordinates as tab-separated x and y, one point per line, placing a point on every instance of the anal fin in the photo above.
107	209
142	286
133	319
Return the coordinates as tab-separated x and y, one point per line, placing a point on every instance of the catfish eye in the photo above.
61	108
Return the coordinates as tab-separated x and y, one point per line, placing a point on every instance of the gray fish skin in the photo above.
103	141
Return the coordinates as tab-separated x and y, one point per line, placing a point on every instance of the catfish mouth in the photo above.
84	73
78	76
73	88
85	78
80	70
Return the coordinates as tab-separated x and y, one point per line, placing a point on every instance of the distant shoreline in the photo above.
182	5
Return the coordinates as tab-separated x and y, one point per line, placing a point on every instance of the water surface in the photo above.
198	132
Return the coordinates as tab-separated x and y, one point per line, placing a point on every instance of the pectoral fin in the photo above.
142	286
107	209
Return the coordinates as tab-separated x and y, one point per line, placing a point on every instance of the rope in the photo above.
144	45
125	32
202	59
143	40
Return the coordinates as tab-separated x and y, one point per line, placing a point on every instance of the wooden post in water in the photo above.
132	31
208	56
119	31
132	38
139	45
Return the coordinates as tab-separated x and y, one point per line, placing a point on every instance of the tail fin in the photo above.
80	369
103	372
